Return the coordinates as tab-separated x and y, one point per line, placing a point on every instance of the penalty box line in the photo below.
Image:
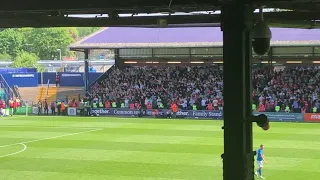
54	137
18	152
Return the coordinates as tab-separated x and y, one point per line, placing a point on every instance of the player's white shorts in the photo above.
260	163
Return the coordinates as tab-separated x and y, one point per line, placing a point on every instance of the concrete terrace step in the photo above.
71	92
51	96
29	93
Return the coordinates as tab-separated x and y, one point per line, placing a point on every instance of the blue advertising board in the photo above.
67	79
22	79
94	76
279	116
17	70
162	112
71	79
47	76
189	114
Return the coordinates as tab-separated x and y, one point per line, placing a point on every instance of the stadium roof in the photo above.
124	37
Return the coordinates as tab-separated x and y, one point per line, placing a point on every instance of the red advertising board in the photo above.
312	117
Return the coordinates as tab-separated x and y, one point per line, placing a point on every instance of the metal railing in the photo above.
47	89
18	95
102	76
6	88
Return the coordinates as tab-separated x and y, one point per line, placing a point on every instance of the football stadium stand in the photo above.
293	87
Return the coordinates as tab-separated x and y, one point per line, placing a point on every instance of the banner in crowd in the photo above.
278	116
162	112
312	117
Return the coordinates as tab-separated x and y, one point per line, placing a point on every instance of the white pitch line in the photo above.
24	148
54	137
49	127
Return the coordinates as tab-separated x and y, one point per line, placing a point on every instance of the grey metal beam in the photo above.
38	5
141	5
289	18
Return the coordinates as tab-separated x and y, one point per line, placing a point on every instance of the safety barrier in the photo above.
189	114
279	116
162	112
6	91
312	117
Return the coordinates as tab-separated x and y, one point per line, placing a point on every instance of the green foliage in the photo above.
43	42
73	31
85	31
11	42
26	60
46	41
5	57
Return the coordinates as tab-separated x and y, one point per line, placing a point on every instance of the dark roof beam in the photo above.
35	5
49	21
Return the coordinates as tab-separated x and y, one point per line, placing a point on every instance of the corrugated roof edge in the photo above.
87	37
78	45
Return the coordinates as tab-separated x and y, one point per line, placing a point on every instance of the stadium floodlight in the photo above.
59	50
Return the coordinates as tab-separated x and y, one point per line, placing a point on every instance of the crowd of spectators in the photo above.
292	89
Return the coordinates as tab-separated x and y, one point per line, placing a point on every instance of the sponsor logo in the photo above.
22	75
100	111
199	113
315	117
282	116
215	114
35	110
125	112
72	111
150	113
312	117
182	113
70	75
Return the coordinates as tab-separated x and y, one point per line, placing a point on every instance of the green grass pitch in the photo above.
107	148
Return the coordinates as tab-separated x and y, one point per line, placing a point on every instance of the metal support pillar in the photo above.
119	62
238	157
270	64
86	69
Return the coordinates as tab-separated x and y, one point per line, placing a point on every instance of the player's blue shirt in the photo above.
259	155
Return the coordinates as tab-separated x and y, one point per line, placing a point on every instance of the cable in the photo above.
170	5
261	12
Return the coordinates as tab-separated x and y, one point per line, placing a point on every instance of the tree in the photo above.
27	60
5	57
86	31
44	42
11	42
74	33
